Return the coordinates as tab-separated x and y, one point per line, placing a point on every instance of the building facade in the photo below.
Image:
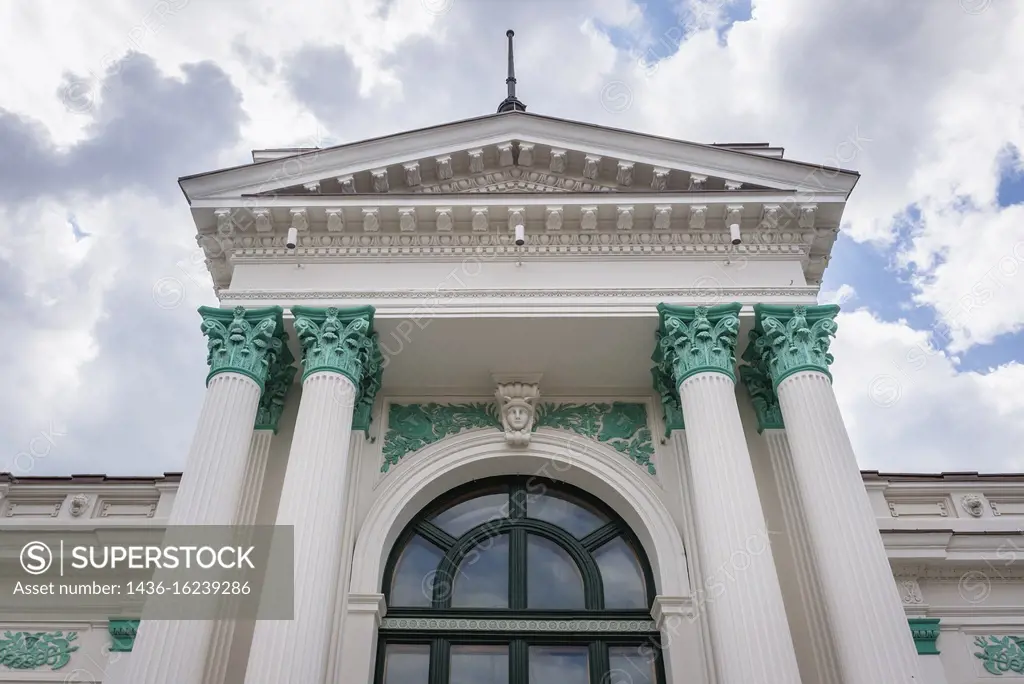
544	401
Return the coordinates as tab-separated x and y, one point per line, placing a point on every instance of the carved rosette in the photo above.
518	404
693	340
342	341
279	381
762	395
790	339
241	340
78	504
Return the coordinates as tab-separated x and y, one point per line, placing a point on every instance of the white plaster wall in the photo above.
471	273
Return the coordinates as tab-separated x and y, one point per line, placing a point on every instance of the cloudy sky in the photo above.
106	103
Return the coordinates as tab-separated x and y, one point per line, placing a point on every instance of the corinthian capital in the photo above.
697	339
342	341
240	340
762	396
790	339
279	381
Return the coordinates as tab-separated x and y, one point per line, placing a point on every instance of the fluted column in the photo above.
242	345
873	643
342	369
820	644
749	630
271	406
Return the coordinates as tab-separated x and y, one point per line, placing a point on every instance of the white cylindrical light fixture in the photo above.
293	238
734	233
520	234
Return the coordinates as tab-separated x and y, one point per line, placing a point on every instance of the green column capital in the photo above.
279	381
670	402
342	341
122	634
790	339
763	397
696	339
240	340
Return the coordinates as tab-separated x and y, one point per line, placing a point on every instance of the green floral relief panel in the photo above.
413	426
1001	655
619	425
623	426
33	650
122	634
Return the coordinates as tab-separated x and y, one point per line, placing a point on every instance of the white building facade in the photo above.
544	401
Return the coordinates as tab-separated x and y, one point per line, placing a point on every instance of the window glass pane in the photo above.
559	665
621	575
553	579
479	665
464	516
568	513
631	665
406	664
413	581
481	580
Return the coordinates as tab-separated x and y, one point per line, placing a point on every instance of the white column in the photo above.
873	639
749	630
242	346
812	602
174	651
224	630
313	500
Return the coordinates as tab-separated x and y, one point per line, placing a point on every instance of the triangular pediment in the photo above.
513	152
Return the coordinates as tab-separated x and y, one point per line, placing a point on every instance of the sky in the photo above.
105	104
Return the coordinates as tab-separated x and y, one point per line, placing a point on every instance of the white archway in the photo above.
589	465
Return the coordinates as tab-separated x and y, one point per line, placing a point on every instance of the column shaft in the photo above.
750	633
313	500
873	641
224	630
812	600
174	651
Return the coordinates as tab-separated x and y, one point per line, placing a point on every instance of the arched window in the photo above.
518	580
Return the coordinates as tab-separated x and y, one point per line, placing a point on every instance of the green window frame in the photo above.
438	626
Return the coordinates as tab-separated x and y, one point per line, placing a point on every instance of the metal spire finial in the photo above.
511	103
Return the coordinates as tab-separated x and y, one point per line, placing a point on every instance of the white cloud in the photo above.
921	98
908	409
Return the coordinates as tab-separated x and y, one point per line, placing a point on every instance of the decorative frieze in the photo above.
662	217
262	219
505	157
770	216
972	505
240	340
34	650
78	504
591	166
300	220
697	182
412	173
371	220
910	592
588	218
692	340
480	219
623	426
807	216
698	216
659	179
1000	654
733	185
313	186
